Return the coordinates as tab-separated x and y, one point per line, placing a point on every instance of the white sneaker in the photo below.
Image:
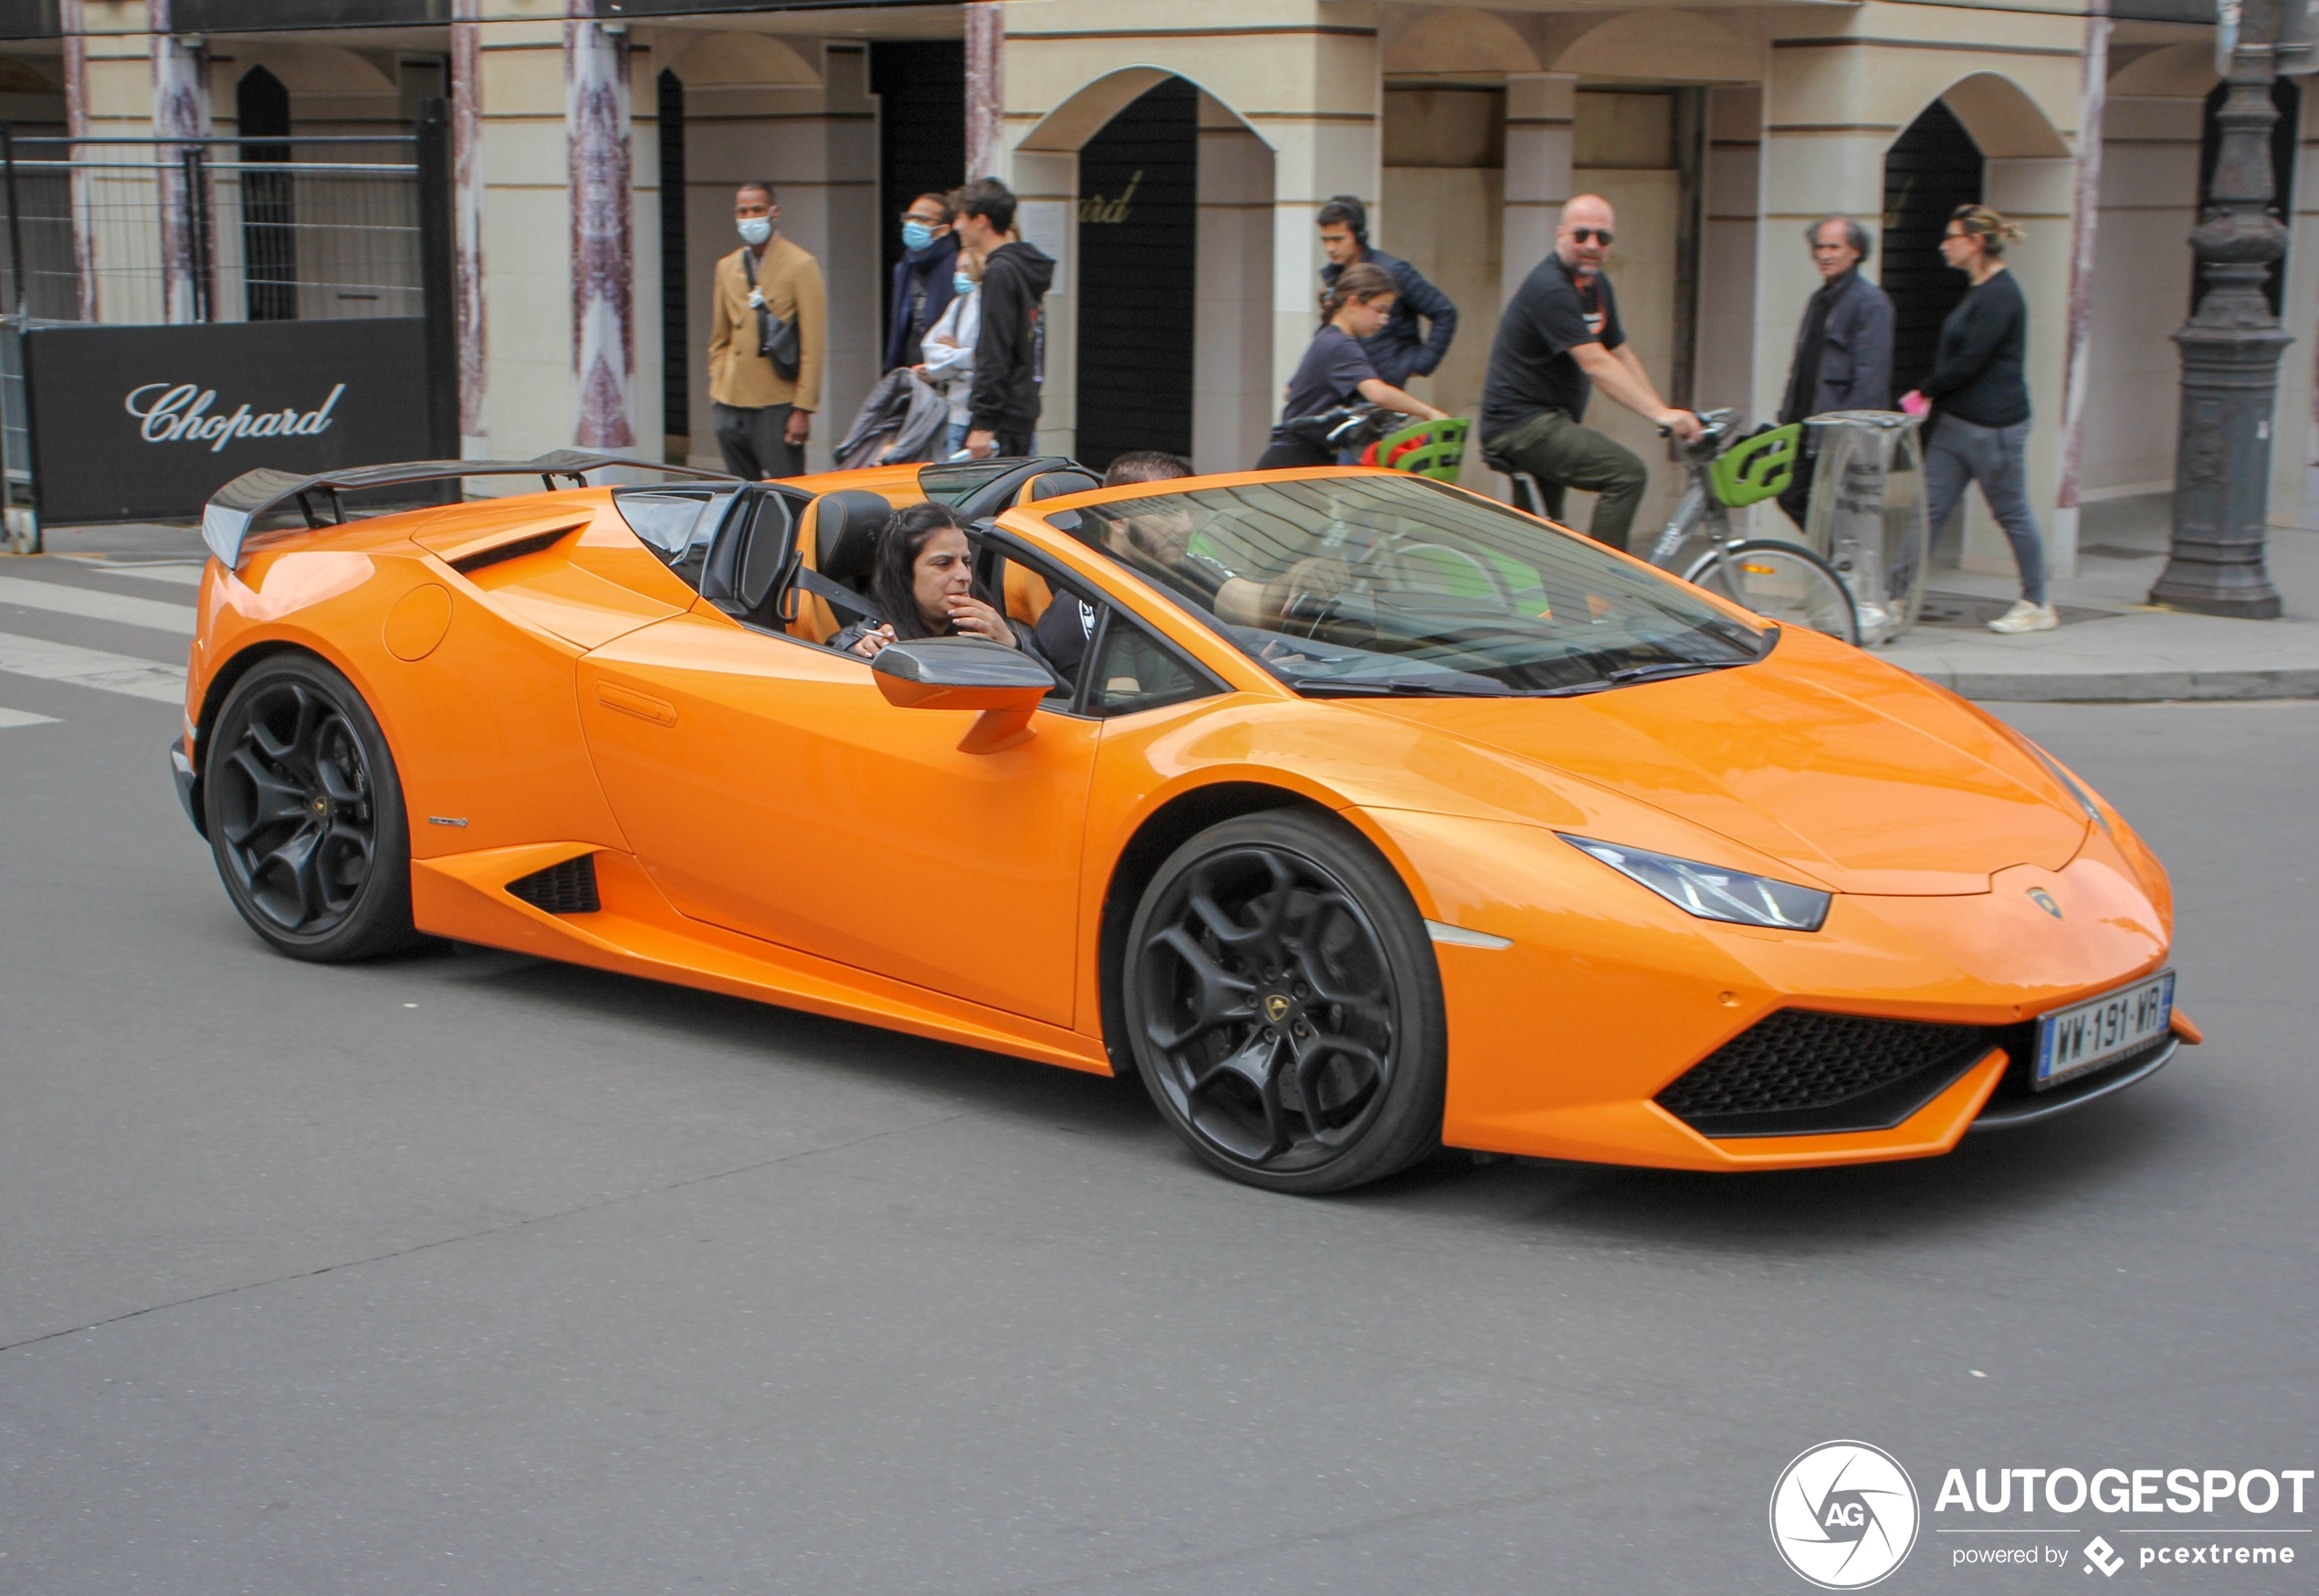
2025	616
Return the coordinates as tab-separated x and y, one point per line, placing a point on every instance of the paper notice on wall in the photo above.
1046	225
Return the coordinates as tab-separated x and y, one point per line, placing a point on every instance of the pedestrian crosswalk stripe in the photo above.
93	605
93	667
186	575
24	718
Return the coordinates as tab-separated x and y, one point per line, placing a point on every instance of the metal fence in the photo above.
128	231
144	233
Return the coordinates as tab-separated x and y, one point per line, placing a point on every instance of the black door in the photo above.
1930	169
921	86
1138	196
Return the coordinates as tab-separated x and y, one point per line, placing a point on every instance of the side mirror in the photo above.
1004	683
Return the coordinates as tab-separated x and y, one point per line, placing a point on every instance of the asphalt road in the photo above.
472	1274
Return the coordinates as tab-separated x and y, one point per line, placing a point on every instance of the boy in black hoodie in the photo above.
1010	354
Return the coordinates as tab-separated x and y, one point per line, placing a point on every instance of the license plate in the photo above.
2074	1040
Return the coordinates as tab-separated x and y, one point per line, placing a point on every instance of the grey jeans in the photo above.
1961	452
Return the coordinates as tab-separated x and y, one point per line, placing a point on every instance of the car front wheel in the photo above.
305	816
1284	1005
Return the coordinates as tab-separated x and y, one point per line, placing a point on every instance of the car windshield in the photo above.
1371	585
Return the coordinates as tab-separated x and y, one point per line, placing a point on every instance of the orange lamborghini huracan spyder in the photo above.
1364	815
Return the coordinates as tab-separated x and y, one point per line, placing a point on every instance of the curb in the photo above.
2123	686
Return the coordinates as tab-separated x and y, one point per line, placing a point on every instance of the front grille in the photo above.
1801	1073
566	889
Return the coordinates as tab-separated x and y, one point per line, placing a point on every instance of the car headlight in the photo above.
1710	891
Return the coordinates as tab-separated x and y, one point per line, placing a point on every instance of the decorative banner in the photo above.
138	423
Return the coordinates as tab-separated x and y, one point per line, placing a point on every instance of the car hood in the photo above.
1857	774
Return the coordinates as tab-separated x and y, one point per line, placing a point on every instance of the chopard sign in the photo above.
180	413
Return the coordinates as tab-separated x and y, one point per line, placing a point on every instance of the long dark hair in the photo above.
892	585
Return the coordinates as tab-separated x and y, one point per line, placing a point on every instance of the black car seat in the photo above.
841	553
1027	596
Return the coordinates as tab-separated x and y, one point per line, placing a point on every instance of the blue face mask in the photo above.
917	234
755	229
961	284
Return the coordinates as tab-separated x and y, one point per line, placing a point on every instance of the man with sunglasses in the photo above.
1559	338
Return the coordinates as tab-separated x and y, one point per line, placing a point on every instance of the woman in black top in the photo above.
1977	387
1336	369
923	585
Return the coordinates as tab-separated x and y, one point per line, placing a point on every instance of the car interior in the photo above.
797	566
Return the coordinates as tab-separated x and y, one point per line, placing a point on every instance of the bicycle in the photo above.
1776	579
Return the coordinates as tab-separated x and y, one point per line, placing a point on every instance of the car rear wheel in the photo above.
1284	1005
305	816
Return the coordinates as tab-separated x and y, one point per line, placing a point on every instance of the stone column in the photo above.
75	49
181	112
596	139
467	203
1541	108
2085	213
985	89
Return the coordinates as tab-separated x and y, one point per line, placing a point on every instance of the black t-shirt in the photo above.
1531	368
1330	374
1064	633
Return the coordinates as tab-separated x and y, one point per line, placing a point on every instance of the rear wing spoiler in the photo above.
234	509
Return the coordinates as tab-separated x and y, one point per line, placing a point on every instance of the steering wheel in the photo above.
1388	557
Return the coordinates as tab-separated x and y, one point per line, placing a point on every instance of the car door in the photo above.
771	789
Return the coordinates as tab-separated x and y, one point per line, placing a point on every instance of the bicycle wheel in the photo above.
1785	582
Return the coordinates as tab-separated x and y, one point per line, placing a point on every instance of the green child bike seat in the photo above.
1758	467
1429	448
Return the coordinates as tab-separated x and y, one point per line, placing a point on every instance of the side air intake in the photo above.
566	889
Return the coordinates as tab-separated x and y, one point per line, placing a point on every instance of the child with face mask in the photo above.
947	357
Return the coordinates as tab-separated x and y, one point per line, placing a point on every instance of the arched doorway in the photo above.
1139	228
1931	169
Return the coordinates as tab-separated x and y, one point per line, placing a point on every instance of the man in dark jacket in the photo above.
1843	350
921	277
1398	350
1010	353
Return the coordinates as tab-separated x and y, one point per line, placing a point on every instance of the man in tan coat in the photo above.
763	417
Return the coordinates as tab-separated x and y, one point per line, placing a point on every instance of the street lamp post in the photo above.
2230	349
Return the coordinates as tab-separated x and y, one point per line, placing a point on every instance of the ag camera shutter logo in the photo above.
1844	1515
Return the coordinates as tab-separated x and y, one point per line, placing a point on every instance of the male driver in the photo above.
764	414
1843	350
1560	337
1397	351
1010	352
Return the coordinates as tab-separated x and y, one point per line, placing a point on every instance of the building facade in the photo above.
1171	154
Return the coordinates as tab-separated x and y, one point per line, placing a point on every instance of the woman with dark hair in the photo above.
1979	398
1336	369
923	583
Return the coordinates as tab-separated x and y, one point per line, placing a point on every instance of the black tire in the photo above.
306	817
1284	1005
1782	582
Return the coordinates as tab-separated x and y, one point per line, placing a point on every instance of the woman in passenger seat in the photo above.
923	583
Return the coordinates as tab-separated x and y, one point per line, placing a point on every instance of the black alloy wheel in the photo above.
305	816
1284	1005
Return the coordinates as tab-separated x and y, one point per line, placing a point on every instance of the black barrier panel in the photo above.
138	423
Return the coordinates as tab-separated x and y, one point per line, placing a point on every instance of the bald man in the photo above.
1560	340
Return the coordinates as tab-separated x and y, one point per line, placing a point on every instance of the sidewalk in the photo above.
2112	646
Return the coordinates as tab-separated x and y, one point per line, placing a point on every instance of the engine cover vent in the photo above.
566	889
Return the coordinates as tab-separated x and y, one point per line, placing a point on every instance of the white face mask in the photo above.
755	229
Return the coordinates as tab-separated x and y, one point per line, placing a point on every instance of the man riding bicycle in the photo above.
1560	337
